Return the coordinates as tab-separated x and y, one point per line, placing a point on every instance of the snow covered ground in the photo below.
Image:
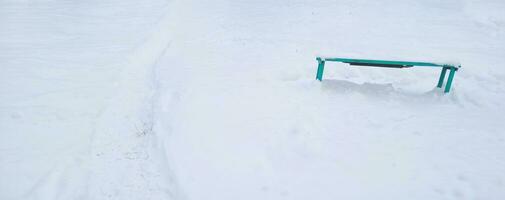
74	91
217	100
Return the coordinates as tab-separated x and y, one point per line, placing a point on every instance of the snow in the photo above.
218	100
72	88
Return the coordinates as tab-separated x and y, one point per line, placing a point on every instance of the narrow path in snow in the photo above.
131	143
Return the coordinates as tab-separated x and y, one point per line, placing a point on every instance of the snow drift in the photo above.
217	100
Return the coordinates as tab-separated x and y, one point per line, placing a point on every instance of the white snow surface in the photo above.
185	99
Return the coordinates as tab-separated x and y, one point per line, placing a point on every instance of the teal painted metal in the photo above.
393	64
320	70
449	80
383	62
442	77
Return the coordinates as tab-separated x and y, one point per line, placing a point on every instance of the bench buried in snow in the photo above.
392	64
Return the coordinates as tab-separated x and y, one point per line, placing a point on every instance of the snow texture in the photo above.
187	99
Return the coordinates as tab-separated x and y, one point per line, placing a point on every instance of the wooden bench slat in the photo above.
379	65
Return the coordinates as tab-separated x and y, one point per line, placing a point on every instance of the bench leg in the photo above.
449	80
320	70
442	77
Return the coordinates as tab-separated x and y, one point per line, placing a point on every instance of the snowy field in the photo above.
184	99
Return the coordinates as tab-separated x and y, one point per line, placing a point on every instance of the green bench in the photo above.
392	64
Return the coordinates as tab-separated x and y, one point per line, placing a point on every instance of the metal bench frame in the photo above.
392	64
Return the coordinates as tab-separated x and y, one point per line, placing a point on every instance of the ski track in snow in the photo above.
216	100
